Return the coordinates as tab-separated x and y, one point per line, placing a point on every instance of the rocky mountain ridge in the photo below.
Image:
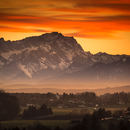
53	55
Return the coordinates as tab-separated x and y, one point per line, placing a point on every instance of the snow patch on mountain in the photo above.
31	49
63	64
46	48
8	54
52	53
25	70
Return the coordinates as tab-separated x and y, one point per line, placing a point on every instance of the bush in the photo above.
32	112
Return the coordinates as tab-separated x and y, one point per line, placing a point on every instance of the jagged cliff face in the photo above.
53	55
43	54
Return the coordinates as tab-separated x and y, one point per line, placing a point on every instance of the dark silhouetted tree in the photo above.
32	112
9	106
102	113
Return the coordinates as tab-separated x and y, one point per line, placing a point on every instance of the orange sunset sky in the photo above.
98	25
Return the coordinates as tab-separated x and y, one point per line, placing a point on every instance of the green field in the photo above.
113	109
64	111
50	123
53	123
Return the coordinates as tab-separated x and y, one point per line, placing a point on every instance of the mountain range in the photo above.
54	57
99	91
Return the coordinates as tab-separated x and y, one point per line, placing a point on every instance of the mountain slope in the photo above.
54	56
34	54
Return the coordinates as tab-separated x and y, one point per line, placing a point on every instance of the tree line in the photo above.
89	99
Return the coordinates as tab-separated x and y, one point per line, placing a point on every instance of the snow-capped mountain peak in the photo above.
52	54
